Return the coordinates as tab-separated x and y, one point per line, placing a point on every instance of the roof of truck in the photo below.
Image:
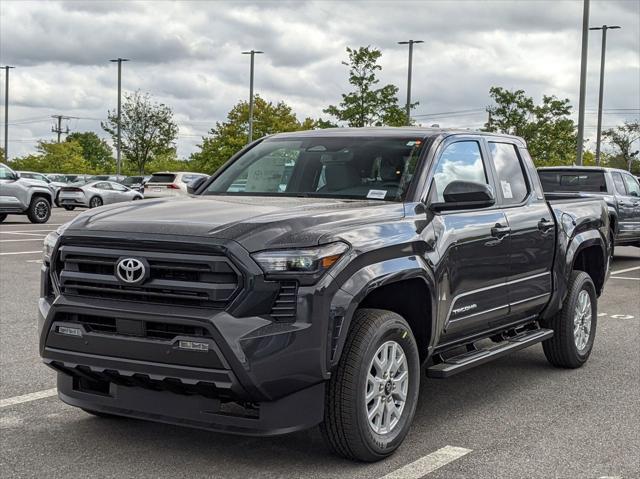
386	131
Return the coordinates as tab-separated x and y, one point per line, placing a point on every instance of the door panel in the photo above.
473	272
629	209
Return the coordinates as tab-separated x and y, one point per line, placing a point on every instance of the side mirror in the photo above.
462	195
195	184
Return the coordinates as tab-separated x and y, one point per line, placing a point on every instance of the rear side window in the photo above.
162	178
632	185
566	181
618	182
459	161
511	178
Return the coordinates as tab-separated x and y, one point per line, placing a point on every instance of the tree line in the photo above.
149	131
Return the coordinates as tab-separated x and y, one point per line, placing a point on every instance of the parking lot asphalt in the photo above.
516	417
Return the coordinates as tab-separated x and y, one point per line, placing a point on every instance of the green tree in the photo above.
228	137
368	105
95	151
623	138
167	162
148	129
2	158
547	128
52	157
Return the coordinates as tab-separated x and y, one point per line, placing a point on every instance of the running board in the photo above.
468	360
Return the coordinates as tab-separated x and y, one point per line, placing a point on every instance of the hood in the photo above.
255	222
31	182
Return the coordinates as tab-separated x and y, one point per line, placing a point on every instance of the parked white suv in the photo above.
166	184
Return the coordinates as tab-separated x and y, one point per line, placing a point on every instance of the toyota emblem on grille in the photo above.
131	271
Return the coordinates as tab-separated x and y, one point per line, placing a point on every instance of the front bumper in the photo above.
258	376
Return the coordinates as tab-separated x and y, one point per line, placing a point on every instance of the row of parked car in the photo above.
33	194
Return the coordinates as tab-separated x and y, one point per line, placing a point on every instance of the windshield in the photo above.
573	181
337	167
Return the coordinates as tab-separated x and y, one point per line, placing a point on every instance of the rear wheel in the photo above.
69	208
372	394
95	202
39	210
574	326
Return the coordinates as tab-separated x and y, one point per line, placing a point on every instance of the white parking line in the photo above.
428	463
22	252
625	277
27	224
29	233
626	270
27	397
25	239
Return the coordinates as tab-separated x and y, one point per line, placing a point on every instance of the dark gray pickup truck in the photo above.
618	188
315	278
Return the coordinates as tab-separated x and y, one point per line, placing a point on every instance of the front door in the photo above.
631	206
473	245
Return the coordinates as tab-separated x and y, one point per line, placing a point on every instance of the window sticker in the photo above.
506	189
377	194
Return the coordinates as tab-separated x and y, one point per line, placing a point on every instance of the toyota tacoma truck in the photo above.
315	278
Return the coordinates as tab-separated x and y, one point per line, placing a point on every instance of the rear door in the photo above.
472	244
632	207
531	226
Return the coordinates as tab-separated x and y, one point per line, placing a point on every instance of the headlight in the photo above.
307	260
50	242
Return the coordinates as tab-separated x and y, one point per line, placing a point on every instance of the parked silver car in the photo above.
24	196
94	194
54	185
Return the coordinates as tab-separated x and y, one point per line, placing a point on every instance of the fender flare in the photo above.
367	279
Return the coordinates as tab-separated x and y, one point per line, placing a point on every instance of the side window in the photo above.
618	183
511	178
118	187
459	161
103	186
632	185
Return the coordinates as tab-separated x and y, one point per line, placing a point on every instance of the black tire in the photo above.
3	217
95	202
561	349
101	414
39	210
612	241
346	428
69	208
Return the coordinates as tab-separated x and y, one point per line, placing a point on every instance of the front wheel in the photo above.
95	202
574	326
39	210
372	395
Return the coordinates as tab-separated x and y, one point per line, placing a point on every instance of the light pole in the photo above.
408	107
253	54
583	80
119	62
604	29
6	112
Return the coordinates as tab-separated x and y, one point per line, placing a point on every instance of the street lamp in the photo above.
410	43
6	112
119	62
253	53
604	29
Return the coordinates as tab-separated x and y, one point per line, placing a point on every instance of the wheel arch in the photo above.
588	252
405	286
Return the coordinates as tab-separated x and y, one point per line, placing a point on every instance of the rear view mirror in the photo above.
461	195
195	184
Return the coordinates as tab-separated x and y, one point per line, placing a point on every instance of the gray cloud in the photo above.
187	55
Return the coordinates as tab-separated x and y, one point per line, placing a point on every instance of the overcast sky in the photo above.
187	55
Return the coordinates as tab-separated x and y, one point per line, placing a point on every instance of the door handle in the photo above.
545	225
500	231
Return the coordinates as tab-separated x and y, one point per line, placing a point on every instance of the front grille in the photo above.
182	279
149	329
285	305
